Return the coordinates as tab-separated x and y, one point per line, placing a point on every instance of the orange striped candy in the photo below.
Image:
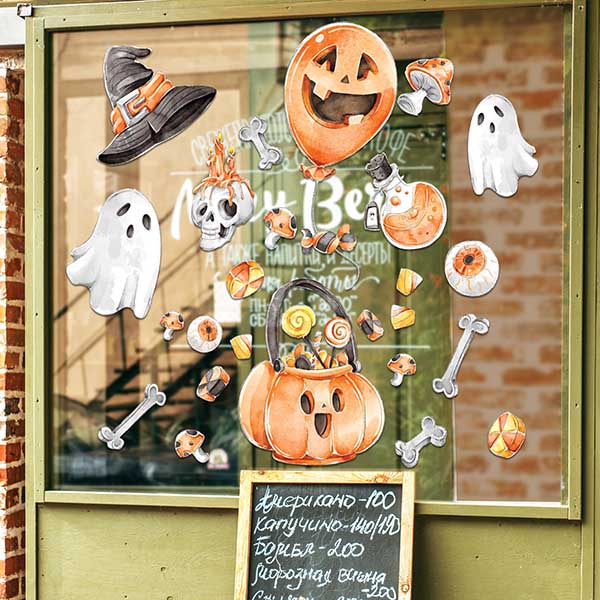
507	435
244	279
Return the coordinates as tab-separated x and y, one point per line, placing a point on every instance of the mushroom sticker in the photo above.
119	263
171	322
429	78
189	443
340	90
498	153
281	223
401	365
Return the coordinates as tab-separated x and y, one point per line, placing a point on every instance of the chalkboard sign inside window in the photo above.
325	536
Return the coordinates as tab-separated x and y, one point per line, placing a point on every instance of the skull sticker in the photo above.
222	201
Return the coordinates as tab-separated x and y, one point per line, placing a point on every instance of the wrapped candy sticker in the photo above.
204	334
244	279
242	346
507	435
212	384
189	443
430	78
472	268
171	322
402	316
401	365
408	281
370	325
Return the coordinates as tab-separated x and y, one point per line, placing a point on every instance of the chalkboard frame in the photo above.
248	479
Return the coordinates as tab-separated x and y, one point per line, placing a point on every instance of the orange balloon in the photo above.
340	89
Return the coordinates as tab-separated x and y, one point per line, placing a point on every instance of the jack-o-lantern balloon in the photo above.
309	416
340	90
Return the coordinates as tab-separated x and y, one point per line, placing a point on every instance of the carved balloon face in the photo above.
340	90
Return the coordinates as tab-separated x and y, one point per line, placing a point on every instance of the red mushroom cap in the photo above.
437	71
187	442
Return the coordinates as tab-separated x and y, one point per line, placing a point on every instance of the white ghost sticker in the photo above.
119	263
498	154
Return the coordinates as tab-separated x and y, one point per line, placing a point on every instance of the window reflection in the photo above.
101	365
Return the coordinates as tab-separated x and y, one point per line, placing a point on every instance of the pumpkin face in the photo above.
340	89
315	417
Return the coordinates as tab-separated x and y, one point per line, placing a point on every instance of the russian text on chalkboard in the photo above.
325	536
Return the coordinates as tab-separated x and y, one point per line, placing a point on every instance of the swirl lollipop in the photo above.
297	321
337	333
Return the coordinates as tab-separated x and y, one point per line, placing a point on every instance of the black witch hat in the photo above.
147	108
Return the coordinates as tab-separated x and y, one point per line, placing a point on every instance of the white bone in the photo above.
471	325
430	434
255	133
114	438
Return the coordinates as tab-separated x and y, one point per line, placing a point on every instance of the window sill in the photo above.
523	510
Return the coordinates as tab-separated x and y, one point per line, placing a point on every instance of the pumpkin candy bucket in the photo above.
309	417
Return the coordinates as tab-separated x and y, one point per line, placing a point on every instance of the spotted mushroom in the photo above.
429	78
281	224
171	322
189	443
401	365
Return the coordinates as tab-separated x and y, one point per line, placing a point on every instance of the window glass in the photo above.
101	365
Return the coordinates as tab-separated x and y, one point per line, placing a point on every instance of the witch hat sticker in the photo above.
147	108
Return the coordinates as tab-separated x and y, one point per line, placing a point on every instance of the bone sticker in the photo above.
431	433
113	438
255	133
472	325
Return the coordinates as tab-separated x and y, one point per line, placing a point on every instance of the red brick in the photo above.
15	337
550	354
11	544
531	376
533	239
10	452
16	241
533	284
16	109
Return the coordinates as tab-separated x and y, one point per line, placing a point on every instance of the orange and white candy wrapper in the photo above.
507	435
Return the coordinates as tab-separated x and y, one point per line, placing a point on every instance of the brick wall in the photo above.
518	54
12	334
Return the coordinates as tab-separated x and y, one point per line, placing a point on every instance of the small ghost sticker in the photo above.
119	263
498	153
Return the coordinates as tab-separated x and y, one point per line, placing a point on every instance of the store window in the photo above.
101	365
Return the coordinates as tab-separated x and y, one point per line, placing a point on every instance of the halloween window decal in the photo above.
312	262
147	108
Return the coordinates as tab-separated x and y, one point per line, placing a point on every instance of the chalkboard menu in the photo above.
325	536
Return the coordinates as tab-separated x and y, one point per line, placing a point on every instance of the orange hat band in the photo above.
137	104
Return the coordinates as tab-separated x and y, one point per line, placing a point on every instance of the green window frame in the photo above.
580	316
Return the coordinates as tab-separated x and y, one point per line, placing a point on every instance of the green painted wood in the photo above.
590	538
35	426
164	554
490	558
83	547
135	13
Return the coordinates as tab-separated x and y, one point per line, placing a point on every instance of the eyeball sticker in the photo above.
472	268
204	334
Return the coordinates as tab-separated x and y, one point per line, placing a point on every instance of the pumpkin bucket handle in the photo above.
273	316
